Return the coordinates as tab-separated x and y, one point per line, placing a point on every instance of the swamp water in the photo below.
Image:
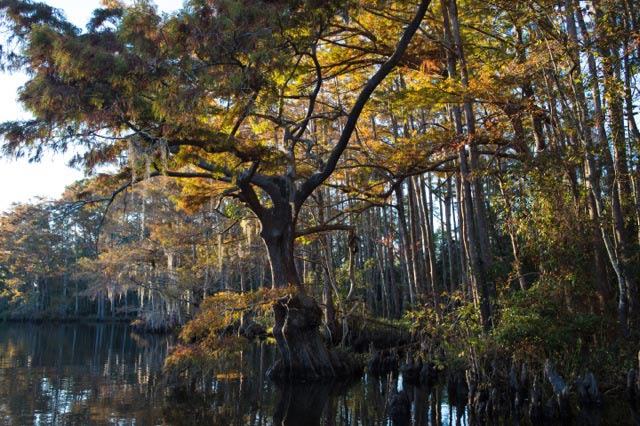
106	374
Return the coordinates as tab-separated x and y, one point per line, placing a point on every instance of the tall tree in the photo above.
224	91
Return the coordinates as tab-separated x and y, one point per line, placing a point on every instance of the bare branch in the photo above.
114	194
323	228
314	95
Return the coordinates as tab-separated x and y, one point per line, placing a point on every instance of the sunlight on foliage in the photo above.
217	330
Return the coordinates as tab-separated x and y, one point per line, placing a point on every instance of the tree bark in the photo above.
298	316
618	254
426	223
415	241
471	227
278	235
406	245
304	356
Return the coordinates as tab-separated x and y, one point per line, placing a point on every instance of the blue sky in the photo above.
20	180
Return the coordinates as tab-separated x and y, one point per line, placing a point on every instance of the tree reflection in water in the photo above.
77	374
73	374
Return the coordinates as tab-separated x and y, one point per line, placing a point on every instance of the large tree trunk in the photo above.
278	234
304	356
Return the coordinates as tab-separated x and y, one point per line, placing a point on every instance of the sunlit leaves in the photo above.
215	332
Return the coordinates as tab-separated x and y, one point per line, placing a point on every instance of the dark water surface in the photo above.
106	374
74	374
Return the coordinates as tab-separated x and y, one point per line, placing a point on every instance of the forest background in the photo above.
487	195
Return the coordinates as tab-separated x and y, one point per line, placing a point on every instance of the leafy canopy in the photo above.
222	89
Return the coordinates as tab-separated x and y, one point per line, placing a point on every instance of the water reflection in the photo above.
237	399
75	374
79	374
104	374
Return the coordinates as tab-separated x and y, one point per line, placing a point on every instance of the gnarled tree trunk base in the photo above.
304	356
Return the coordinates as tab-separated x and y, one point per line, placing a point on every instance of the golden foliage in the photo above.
214	332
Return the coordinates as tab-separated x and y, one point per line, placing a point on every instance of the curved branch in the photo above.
248	196
314	95
323	228
114	194
385	69
189	175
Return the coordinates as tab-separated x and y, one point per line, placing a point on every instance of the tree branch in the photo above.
385	69
300	129
323	228
114	194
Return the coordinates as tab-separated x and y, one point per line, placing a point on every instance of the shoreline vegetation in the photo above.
494	380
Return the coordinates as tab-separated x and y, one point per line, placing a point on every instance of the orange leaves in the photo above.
214	332
111	4
222	312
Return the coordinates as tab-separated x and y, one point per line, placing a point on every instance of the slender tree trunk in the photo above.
329	314
517	262
583	117
478	276
618	256
405	245
448	200
395	289
428	240
459	229
622	197
416	244
479	213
